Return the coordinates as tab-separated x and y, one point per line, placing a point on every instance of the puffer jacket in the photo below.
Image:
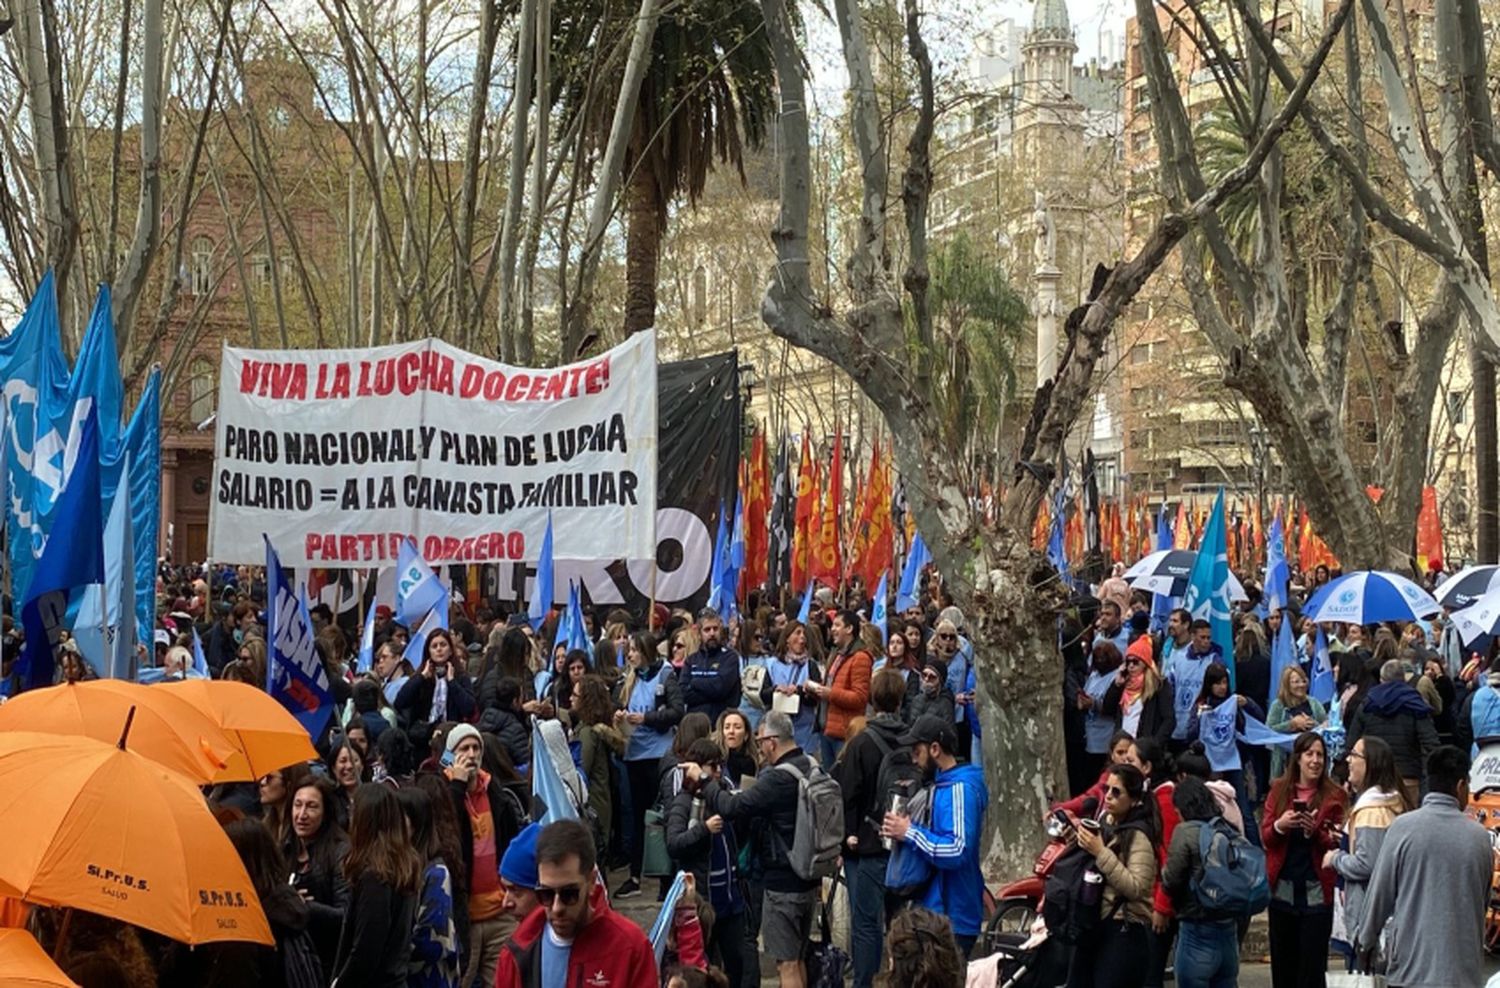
1397	714
848	691
1372	815
1128	863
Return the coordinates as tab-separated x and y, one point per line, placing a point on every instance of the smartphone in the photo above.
1060	817
1300	805
447	760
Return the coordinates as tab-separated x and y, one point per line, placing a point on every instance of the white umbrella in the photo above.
1166	572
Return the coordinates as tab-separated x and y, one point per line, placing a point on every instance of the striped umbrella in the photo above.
1368	596
1467	586
1166	572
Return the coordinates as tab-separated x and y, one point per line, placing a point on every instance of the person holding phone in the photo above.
438	692
1303	816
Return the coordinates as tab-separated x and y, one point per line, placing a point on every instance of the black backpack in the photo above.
1072	894
898	774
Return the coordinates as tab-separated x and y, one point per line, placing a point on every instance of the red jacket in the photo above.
1330	814
1160	900
1095	792
610	952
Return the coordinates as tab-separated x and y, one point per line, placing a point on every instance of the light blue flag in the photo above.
1216	731
1057	550
1278	574
200	664
1321	686
1207	596
141	445
720	563
294	674
578	631
878	615
1257	733
366	660
736	566
1161	604
806	611
554	778
1283	656
418	589
73	556
416	645
663	922
540	604
911	575
105	625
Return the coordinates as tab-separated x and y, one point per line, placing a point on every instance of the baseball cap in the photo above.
929	728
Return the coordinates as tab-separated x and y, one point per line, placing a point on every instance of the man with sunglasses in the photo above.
573	937
958	655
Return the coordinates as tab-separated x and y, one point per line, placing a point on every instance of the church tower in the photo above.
1049	120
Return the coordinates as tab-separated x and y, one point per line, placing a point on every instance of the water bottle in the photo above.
898	807
698	809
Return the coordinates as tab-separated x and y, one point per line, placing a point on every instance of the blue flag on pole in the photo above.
552	771
1161	604
1321	686
73	556
1057	551
1207	594
662	925
416	645
911	575
200	664
806	611
720	563
105	625
295	675
1283	656
540	604
731	576
418	589
878	616
1278	574
366	660
578	631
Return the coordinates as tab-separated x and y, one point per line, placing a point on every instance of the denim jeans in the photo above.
828	751
866	878
1208	955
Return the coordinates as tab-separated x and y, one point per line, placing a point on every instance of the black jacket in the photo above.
1158	719
857	772
375	943
1397	714
507	812
324	881
939	705
774	798
414	703
511	729
239	964
711	681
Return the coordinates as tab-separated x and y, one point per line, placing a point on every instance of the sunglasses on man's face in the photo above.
568	895
930	677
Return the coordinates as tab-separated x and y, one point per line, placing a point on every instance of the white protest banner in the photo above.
339	455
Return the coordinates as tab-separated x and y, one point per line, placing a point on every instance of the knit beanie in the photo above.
518	864
460	732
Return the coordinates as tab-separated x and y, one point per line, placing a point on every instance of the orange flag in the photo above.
836	497
824	560
1042	526
807	506
1182	533
1429	533
873	537
757	502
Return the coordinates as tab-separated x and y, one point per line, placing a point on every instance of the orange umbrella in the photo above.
166	729
24	964
265	733
98	827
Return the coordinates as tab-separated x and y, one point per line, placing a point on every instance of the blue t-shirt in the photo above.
555	954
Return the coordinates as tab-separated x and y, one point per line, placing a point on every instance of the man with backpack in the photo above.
797	843
948	833
875	767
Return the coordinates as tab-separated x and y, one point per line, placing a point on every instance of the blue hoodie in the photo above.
951	842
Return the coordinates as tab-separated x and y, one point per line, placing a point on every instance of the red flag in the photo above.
1429	533
757	502
875	538
824	555
836	493
803	534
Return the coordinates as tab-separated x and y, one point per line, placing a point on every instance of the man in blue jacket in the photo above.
950	841
710	677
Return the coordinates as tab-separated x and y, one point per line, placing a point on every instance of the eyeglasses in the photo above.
1134	662
930	677
568	895
1114	791
677	645
763	738
1356	754
947	636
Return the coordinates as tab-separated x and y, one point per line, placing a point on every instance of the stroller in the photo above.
1484	806
1020	964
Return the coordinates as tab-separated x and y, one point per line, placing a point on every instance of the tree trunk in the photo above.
643	234
510	224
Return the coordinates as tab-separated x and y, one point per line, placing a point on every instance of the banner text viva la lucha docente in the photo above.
338	455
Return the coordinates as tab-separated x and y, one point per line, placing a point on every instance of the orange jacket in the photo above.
848	679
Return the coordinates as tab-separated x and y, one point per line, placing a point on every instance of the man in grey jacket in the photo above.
1432	883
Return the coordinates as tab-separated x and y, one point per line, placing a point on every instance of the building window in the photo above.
1457	407
201	273
260	270
201	391
1140	354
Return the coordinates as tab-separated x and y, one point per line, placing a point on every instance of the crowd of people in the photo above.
711	747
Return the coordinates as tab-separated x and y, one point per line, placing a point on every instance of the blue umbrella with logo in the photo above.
1369	596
